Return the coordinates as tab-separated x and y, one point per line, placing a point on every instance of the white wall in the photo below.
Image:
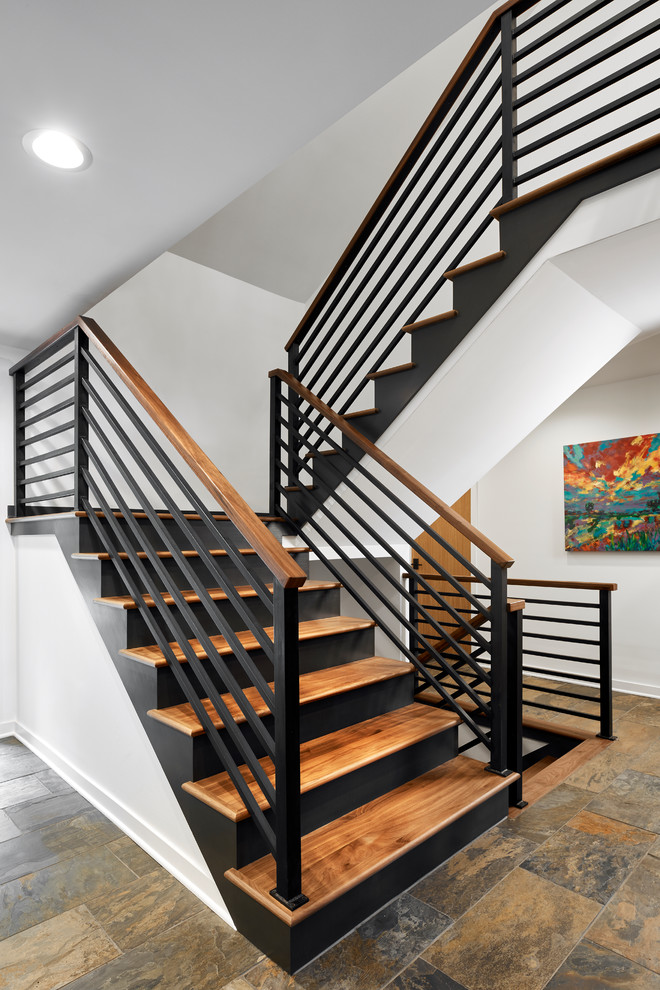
205	343
519	504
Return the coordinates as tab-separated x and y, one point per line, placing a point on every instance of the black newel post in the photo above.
81	404
288	826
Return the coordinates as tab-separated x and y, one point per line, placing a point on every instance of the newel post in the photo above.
499	700
509	141
288	825
80	406
514	634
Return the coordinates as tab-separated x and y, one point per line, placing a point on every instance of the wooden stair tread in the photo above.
473	265
450	314
361	412
166	555
313	686
310	629
345	852
217	594
429	696
331	756
384	372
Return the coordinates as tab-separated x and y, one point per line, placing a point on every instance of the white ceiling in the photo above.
184	105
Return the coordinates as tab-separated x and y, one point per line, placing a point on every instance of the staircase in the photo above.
370	754
314	705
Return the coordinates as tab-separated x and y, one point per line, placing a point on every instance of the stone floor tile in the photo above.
630	924
647	712
591	967
633	738
202	953
267	975
421	975
598	773
240	983
591	855
516	936
54	953
43	847
649	761
8	830
135	858
20	789
625	702
36	897
632	797
54	783
17	761
460	882
31	815
139	909
378	949
549	813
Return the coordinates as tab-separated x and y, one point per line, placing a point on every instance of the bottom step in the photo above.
354	865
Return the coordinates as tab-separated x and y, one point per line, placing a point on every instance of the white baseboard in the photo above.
143	833
7	729
630	687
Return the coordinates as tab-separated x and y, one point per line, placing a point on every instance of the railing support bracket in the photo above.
293	903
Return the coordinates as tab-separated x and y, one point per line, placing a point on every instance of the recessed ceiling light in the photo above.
58	149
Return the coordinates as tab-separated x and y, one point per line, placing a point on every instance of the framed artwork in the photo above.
612	494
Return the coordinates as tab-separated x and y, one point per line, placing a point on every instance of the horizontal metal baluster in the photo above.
196	664
584	94
66	404
423	279
569	675
62	383
558	656
403	507
25	462
49	497
47	433
396	235
188	531
443	631
204	639
584	149
395	318
589	63
584	39
530	22
561	639
45	353
558	618
428	589
362	602
183	486
47	477
590	118
386	602
561	28
50	370
174	665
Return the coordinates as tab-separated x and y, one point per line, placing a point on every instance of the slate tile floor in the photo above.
566	896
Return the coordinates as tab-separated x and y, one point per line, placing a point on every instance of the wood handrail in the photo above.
441	508
526	582
284	569
414	150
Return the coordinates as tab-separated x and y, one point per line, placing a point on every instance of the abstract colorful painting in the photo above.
612	494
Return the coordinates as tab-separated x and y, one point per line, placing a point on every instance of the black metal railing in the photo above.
113	463
565	648
550	85
363	517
